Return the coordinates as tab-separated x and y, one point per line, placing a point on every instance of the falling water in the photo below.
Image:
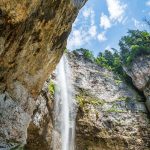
64	108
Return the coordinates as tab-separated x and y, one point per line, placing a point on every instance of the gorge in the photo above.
110	113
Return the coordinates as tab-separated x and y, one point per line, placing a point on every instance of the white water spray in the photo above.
65	111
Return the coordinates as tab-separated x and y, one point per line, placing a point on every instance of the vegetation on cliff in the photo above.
134	44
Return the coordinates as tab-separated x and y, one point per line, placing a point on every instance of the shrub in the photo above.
51	88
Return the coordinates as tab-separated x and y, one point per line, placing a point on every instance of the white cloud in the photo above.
75	39
86	12
85	31
104	21
92	17
102	37
116	9
81	36
93	31
148	3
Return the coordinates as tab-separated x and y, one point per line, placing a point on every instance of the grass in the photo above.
83	100
51	88
118	82
115	110
122	99
17	148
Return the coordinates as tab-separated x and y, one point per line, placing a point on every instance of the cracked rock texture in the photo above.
111	114
139	71
33	37
40	128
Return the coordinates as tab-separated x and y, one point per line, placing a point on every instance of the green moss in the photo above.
118	81
51	88
106	76
65	50
80	100
122	99
83	100
17	148
115	110
96	102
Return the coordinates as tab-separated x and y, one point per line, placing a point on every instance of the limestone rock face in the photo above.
40	128
111	114
139	71
33	37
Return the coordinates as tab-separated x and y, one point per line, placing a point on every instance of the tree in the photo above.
134	44
109	57
87	54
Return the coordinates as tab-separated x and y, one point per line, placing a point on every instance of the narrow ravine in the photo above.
64	108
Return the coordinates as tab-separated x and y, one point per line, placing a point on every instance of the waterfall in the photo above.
64	108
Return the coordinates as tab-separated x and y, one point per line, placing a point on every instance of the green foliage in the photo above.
107	59
87	54
118	81
87	99
18	148
115	109
102	61
122	99
51	88
112	109
65	50
136	43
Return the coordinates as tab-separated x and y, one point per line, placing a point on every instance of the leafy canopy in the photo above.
136	43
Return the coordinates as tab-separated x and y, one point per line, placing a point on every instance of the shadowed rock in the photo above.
32	40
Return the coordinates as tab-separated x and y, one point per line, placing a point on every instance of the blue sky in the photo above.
101	23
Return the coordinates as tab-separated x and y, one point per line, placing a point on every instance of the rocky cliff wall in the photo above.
139	71
33	37
111	114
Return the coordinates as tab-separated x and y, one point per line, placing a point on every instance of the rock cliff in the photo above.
111	113
139	71
32	40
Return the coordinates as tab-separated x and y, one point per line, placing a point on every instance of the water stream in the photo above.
65	111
